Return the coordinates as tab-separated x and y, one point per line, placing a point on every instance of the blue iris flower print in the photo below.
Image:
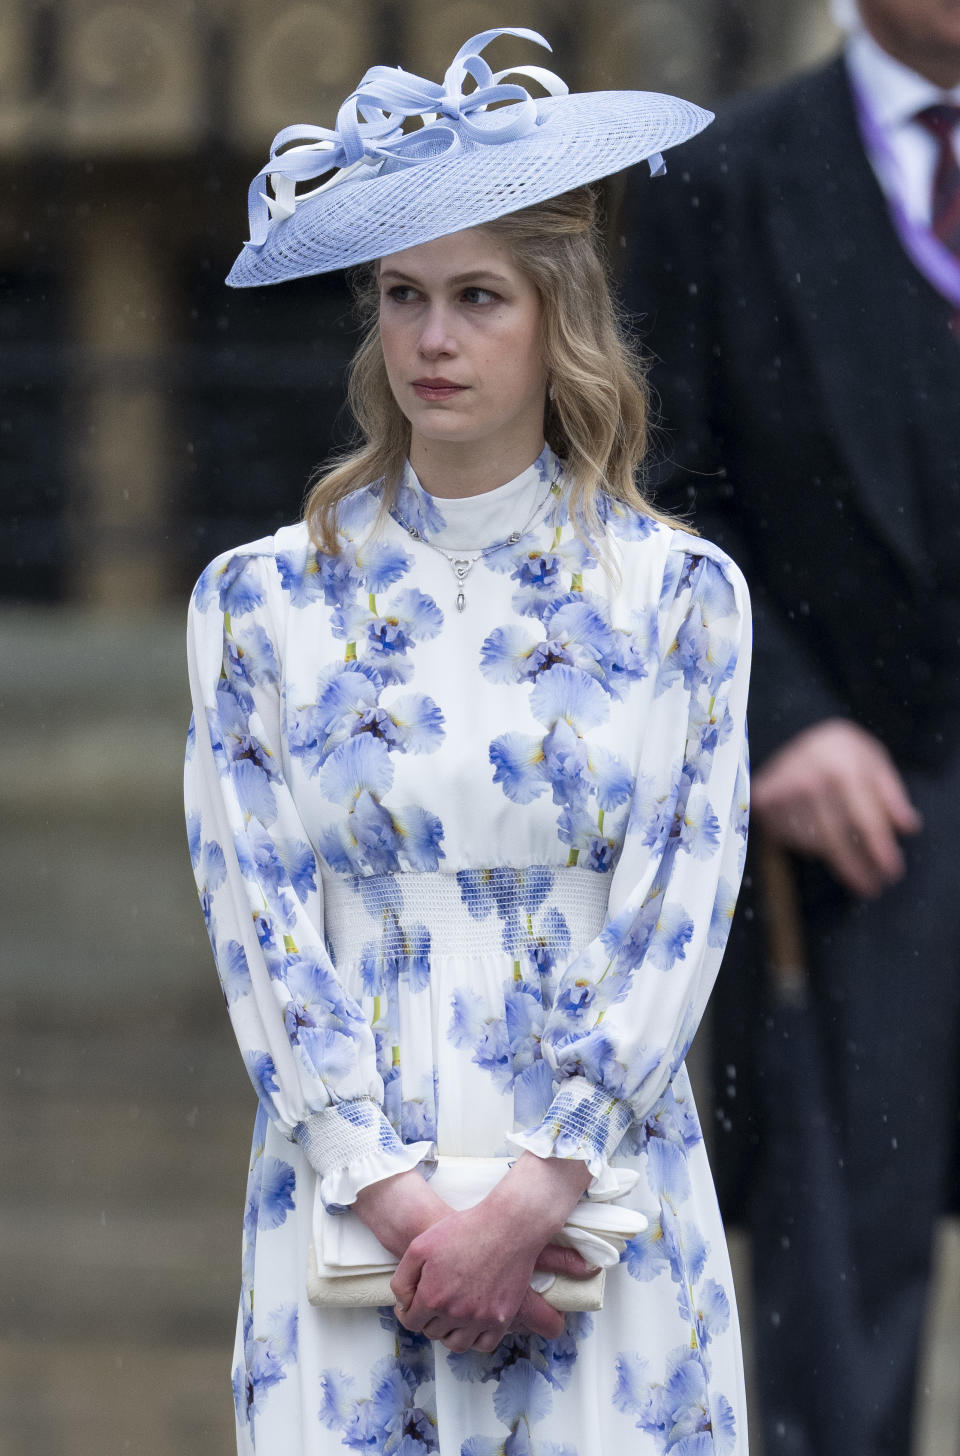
522	1398
720	919
280	866
519	766
234	971
265	1360
418	1115
553	1359
350	703
418	510
380	565
700	831
646	1255
708	1311
263	1074
210	864
194	837
678	1412
391	1419
277	1189
471	1027
593	848
653	813
536	936
233	583
577	635
569	695
622	520
659	932
667	1171
254	791
403	949
337	1402
506	889
567	701
382	634
365	562
252	658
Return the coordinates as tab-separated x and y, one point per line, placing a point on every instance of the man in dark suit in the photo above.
798	280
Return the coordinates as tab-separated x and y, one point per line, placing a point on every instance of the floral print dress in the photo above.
468	876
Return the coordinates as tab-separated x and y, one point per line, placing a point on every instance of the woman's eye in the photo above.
478	295
401	293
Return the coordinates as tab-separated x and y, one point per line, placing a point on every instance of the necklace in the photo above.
462	563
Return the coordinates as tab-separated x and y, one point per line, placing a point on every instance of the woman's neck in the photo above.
453	470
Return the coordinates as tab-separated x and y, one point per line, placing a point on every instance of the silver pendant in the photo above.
461	571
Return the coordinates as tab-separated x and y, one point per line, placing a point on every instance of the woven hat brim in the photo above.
579	139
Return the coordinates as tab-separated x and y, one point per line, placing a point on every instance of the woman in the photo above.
467	807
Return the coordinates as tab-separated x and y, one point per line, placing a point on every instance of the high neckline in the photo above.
474	522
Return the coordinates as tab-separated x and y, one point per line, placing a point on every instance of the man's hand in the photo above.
833	792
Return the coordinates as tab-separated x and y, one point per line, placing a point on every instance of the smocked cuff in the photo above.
350	1145
582	1122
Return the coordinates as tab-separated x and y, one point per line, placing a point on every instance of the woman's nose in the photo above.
435	336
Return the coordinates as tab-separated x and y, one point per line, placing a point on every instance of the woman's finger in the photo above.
557	1259
537	1316
405	1280
487	1342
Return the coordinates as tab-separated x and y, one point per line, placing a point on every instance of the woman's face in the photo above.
460	330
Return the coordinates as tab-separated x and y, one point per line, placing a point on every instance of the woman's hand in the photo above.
397	1209
466	1280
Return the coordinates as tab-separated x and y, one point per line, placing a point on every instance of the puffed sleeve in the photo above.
307	1047
629	1003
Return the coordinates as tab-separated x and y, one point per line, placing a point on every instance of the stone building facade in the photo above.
148	417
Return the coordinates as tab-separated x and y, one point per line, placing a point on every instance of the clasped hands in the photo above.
464	1277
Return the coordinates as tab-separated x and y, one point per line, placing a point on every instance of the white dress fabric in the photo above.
468	875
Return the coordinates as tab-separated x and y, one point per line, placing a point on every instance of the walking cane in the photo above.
815	1284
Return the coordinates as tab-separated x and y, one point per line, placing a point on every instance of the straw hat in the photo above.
412	160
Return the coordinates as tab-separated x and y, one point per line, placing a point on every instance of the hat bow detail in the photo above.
369	130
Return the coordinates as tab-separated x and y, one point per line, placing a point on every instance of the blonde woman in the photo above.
467	805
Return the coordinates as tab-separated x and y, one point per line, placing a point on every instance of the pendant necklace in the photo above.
460	563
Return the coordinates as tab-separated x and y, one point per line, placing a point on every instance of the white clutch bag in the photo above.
349	1267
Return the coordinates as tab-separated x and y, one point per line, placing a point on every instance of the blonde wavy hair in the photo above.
597	415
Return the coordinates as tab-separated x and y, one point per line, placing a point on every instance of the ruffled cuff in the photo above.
351	1144
582	1122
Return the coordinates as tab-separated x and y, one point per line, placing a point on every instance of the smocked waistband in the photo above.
530	913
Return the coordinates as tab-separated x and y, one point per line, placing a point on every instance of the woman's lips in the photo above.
436	389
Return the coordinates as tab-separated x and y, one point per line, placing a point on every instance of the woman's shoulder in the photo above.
237	578
684	543
698	574
663	543
668	567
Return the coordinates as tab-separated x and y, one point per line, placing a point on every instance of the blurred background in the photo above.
148	419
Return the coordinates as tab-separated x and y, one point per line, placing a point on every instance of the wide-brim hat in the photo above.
467	160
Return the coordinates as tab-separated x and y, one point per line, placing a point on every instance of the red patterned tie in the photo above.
941	122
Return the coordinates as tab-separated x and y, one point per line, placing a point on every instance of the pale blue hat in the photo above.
460	164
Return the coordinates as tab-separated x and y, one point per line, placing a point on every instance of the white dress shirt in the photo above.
894	95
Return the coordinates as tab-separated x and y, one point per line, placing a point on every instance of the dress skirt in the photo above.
657	1370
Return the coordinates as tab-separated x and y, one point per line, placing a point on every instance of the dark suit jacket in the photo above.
810	395
811	390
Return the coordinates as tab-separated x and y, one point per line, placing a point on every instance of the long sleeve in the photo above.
629	1003
309	1051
